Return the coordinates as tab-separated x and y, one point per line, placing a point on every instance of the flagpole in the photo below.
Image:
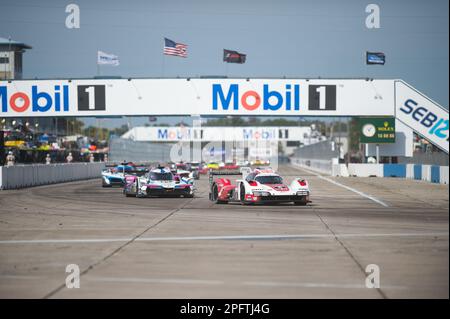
98	65
163	65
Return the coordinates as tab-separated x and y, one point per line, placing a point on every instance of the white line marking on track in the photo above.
311	285
157	280
347	187
236	237
187	281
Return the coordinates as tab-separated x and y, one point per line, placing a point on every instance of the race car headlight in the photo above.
259	193
144	187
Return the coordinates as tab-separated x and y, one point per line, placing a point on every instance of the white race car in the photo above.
158	182
259	186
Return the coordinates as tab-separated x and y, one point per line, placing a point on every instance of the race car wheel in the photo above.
215	196
188	196
135	189
302	202
242	195
105	185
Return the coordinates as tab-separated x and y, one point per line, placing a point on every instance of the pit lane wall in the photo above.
20	176
429	173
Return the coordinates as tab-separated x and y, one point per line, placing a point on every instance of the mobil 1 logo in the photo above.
322	98
91	98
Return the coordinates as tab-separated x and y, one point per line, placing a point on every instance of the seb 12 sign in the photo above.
377	130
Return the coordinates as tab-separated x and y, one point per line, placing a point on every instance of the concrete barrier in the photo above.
444	174
426	173
319	166
366	170
429	173
394	170
340	170
20	176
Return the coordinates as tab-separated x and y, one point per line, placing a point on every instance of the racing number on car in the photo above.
91	98
322	98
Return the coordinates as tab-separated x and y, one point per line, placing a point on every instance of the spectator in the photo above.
69	158
48	160
91	158
10	159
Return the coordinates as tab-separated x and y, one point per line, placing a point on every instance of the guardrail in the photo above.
19	176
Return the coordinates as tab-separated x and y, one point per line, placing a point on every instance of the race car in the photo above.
157	182
181	169
230	165
114	175
259	162
258	187
195	168
184	176
212	165
242	163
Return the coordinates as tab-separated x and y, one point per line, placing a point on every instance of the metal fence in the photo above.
128	150
318	156
19	176
324	150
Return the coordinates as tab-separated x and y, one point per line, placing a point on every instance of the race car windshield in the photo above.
269	179
161	176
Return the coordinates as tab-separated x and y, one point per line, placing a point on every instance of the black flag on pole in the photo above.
230	56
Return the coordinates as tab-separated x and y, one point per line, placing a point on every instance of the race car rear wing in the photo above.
138	164
243	171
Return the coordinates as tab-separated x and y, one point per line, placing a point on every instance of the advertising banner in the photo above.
422	114
151	97
377	130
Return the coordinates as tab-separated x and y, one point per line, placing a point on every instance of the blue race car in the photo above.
115	175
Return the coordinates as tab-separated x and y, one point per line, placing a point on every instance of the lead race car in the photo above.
262	185
158	182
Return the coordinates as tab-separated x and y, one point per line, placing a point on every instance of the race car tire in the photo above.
131	194
302	202
242	195
215	195
105	185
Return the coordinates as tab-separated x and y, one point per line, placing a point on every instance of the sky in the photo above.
309	38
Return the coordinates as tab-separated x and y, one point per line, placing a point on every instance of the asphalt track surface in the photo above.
192	248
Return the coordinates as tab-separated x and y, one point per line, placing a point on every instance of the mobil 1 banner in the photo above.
422	114
221	97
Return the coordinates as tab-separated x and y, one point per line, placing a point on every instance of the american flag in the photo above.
173	48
